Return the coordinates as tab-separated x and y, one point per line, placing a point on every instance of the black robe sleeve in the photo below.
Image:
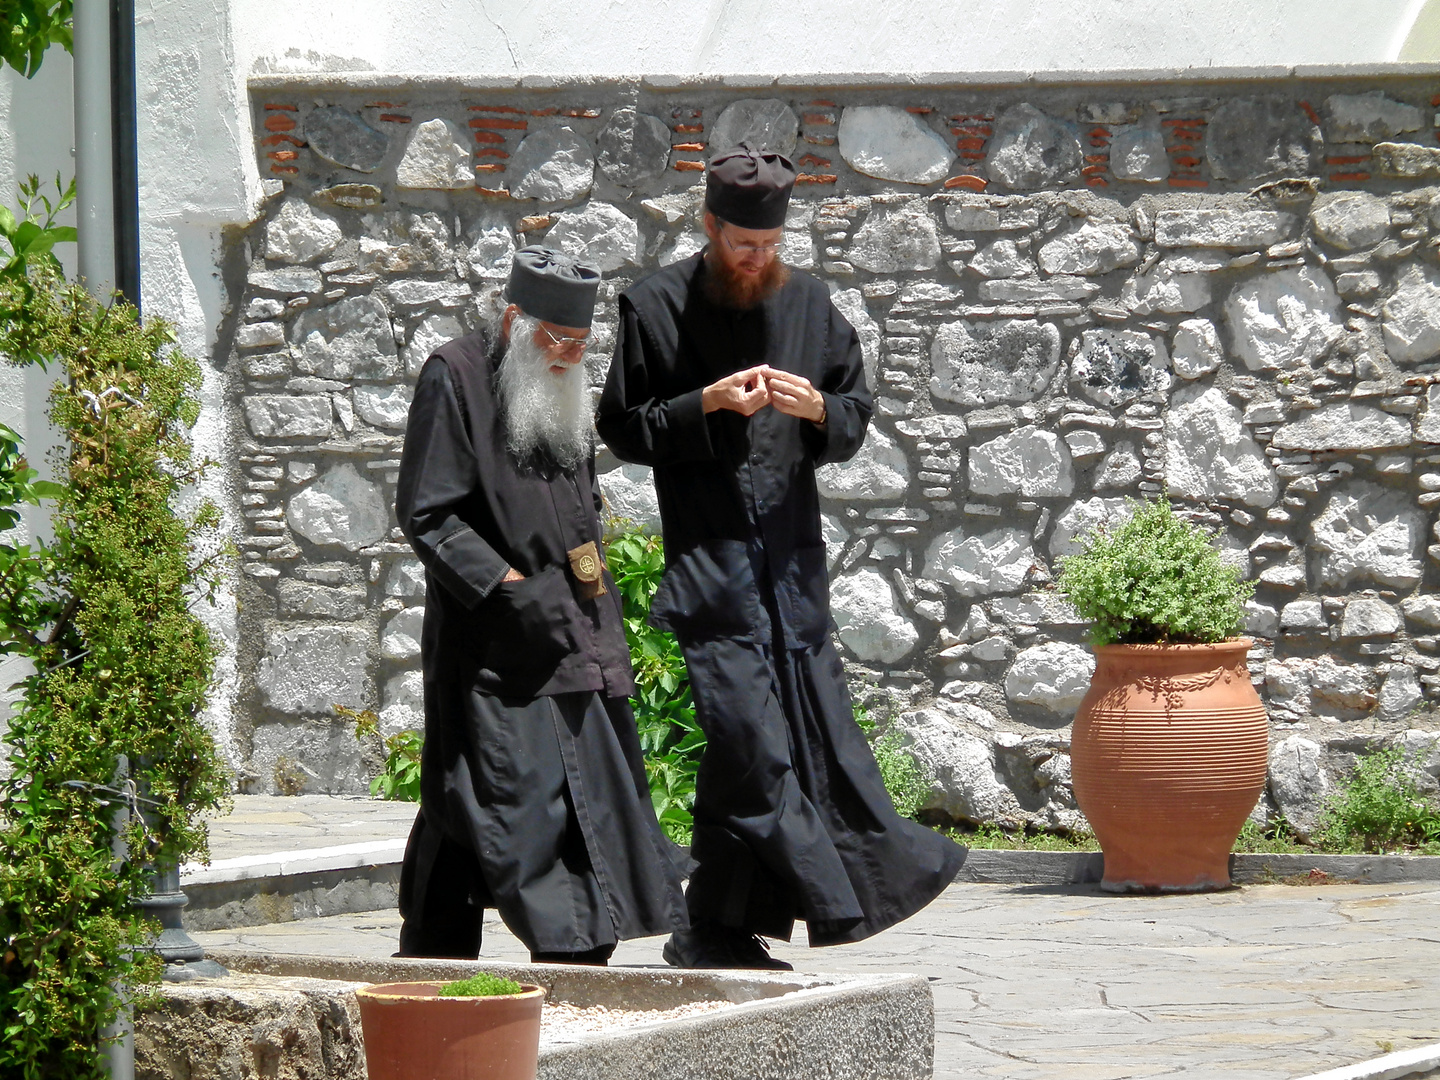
848	403
438	472
635	419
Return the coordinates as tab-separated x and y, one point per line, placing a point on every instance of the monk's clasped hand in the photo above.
744	392
794	395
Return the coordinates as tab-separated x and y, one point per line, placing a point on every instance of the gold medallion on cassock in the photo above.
585	564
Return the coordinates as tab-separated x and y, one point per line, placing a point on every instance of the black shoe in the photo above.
596	957
750	952
711	946
695	949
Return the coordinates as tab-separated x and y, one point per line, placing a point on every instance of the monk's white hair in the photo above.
543	410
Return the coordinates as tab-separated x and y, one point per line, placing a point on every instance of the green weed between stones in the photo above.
480	985
905	780
1275	839
1155	578
992	837
399	775
104	612
1380	809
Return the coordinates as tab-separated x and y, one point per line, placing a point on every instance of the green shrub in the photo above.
480	985
1154	579
664	712
1378	808
122	667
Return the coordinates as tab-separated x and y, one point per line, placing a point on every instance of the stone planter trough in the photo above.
297	1016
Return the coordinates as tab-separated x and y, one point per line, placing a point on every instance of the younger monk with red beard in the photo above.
735	377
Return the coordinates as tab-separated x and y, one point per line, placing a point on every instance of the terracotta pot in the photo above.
1168	758
411	1033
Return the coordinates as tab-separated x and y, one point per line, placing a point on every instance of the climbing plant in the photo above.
122	666
27	245
29	27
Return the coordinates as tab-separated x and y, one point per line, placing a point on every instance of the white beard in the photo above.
542	410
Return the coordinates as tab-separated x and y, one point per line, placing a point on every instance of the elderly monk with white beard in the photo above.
533	792
735	377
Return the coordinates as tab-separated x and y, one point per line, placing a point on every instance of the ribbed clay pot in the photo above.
1168	757
411	1033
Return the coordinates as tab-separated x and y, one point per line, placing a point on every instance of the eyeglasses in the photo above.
564	342
750	249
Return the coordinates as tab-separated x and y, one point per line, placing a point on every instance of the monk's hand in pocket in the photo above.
530	618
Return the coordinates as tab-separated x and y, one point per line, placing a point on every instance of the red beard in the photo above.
734	289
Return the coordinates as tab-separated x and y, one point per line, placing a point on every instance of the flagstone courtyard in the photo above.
1269	982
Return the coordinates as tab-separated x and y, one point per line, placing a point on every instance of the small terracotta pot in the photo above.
411	1033
1168	758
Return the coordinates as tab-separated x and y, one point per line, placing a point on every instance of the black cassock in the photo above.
533	791
792	819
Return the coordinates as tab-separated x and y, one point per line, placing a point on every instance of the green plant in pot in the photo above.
484	1027
1170	745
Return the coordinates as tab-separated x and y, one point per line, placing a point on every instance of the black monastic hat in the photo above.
553	287
749	187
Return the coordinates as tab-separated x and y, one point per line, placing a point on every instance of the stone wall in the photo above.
1067	295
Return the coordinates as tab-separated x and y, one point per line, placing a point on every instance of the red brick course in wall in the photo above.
1185	145
967	181
687	122
498	127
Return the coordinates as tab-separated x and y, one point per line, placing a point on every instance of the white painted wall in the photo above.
197	175
749	36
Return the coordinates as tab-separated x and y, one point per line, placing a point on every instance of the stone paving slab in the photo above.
1265	982
278	858
259	825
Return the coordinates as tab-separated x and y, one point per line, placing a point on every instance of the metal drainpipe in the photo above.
120	1049
123	128
94	146
95	214
107	212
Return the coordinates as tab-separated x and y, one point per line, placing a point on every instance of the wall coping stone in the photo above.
362	80
997	866
981	865
1417	1062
